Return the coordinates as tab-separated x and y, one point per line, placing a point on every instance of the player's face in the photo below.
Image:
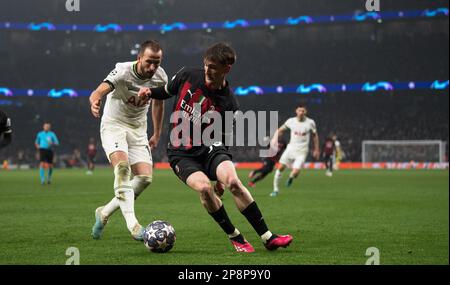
301	113
215	72
47	127
149	62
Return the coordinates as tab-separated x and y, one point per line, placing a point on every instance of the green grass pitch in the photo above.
405	214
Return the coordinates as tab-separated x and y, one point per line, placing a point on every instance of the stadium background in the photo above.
344	52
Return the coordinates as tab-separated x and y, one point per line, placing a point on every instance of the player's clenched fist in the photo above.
144	92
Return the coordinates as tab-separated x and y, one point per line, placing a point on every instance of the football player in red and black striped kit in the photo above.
328	151
197	93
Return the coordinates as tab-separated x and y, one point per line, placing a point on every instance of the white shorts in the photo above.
294	158
134	142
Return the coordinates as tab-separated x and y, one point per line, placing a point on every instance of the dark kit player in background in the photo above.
91	152
196	163
329	148
268	166
5	130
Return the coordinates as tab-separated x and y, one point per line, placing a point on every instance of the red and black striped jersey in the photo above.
193	106
328	146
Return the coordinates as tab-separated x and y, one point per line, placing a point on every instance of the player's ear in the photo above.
227	68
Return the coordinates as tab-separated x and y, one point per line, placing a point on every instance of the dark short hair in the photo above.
301	106
222	53
151	44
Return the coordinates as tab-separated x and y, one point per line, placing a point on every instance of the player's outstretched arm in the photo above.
159	93
96	98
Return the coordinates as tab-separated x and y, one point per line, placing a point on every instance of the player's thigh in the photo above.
139	151
113	137
117	157
299	161
286	160
184	167
226	172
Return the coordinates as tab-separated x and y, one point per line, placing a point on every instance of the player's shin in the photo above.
255	218
123	191
276	180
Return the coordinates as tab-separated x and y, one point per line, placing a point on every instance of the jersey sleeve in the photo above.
287	124
313	127
55	139
115	76
175	83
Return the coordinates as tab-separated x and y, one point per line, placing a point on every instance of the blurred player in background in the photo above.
197	92
338	153
45	141
5	130
91	152
123	132
328	151
294	156
268	166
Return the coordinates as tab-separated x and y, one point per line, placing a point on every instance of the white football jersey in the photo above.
122	104
300	132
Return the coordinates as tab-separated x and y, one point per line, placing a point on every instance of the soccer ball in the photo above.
159	236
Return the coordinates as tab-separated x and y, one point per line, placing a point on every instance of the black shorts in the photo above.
45	155
327	157
91	158
268	165
206	162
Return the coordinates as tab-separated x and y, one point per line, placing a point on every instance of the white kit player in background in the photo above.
123	132
294	156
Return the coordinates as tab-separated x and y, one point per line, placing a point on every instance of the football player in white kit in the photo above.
294	156
123	132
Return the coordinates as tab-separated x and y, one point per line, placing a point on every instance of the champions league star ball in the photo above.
159	236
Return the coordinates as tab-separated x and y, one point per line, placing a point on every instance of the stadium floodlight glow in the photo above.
239	23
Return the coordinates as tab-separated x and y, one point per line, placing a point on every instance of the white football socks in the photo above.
124	193
276	180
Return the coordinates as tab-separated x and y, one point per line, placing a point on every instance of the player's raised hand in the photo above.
144	93
95	108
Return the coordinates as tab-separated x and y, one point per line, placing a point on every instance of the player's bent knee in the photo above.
122	172
235	186
204	188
